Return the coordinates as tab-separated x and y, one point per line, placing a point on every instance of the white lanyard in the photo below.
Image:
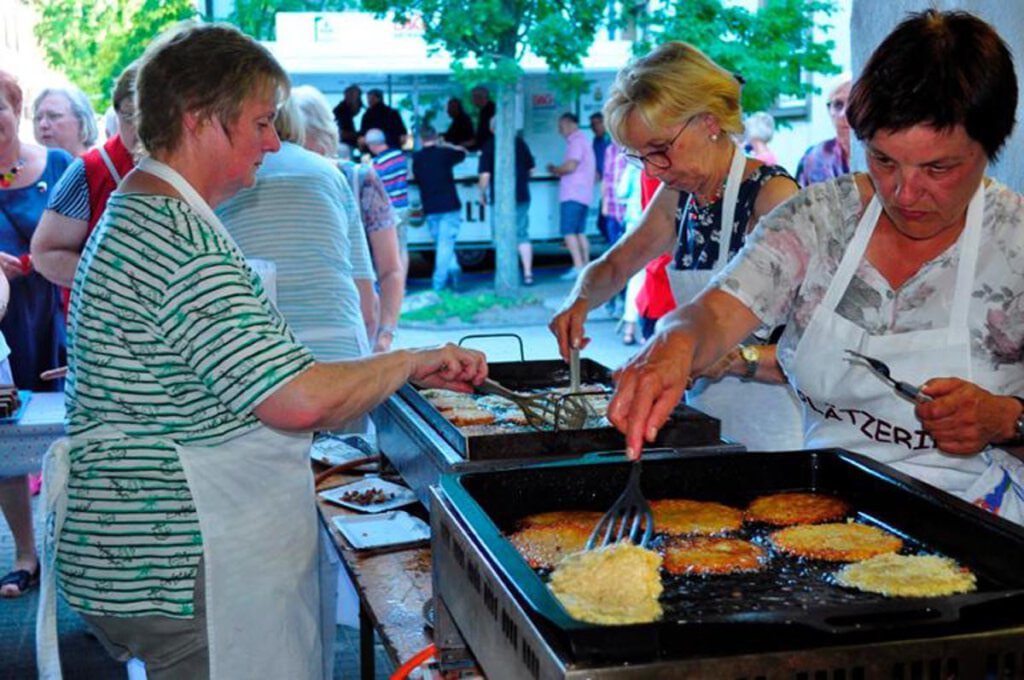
187	191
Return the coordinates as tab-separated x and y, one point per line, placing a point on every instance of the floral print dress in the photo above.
789	260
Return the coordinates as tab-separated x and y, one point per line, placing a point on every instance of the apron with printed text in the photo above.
846	405
761	416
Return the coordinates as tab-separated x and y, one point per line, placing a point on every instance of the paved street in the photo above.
606	344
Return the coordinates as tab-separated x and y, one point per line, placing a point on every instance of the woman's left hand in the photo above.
449	367
964	418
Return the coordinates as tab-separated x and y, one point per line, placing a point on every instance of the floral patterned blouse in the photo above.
699	226
789	260
374	204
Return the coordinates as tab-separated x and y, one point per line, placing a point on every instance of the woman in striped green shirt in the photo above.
189	537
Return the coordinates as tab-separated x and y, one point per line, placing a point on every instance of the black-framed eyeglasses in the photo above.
657	159
837	106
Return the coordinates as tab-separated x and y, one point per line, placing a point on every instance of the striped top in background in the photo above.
392	167
302	216
70	197
174	341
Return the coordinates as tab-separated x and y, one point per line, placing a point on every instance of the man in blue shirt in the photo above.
432	167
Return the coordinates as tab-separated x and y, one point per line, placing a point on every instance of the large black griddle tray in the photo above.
685	428
930	520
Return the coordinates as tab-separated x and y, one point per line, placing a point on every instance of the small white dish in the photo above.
400	495
387	529
332	449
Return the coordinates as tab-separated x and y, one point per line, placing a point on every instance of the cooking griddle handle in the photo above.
522	351
886	618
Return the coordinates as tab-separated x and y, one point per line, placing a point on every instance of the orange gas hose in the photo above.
418	658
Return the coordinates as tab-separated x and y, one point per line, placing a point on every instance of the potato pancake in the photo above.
616	584
447	400
843	542
587	518
544	546
706	555
469	416
680	517
784	509
908	576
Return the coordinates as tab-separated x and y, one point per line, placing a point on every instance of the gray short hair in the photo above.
80	106
320	126
761	126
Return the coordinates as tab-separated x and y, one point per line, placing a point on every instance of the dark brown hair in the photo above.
941	69
209	69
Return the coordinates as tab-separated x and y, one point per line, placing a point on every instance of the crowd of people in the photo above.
222	278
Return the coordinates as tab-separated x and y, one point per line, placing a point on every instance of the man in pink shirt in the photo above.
575	191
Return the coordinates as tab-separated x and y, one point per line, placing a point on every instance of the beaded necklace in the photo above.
7	178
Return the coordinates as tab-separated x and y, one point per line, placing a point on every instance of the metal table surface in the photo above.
22	444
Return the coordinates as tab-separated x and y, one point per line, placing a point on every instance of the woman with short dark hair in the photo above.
915	263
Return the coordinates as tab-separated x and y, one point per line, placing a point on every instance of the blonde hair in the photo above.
290	123
320	128
673	83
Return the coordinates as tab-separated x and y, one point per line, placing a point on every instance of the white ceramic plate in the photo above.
332	449
402	495
387	529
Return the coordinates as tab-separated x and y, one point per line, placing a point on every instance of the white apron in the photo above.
254	498
846	405
761	416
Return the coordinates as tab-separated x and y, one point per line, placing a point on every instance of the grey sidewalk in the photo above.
531	325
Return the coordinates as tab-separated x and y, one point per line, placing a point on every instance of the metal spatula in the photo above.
882	370
541	410
629	517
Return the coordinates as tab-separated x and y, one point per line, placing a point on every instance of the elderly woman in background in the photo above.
31	320
890	264
64	119
78	200
378	216
187	393
758	130
674	112
831	157
301	216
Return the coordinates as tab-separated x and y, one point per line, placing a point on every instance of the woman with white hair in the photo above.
64	119
378	216
759	129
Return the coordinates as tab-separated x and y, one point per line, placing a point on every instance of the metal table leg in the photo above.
366	655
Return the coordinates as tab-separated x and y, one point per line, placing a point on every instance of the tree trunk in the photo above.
506	269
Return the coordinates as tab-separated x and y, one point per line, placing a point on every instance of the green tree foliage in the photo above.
773	48
92	41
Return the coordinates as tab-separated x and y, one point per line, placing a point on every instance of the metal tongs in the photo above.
881	370
630	514
543	411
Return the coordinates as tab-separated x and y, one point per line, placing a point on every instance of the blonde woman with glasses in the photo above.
675	112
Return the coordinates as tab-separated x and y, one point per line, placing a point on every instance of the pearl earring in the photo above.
714	137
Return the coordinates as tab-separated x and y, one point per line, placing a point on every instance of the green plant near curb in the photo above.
465	307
